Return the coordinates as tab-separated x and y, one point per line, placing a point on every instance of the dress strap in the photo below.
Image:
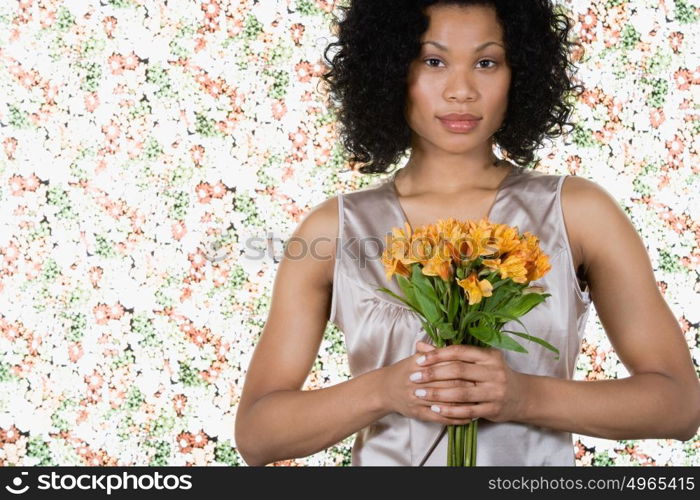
432	447
338	253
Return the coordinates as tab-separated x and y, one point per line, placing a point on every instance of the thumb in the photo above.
424	347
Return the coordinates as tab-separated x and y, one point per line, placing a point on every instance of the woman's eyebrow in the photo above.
477	49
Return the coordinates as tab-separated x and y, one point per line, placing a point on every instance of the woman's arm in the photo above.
275	419
661	398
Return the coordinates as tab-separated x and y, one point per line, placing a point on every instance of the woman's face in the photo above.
469	76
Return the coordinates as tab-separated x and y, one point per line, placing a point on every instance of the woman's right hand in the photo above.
399	390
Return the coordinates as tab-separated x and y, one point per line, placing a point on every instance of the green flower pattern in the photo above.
144	146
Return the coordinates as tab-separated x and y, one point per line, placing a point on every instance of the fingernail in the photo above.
415	376
421	360
420	393
435	408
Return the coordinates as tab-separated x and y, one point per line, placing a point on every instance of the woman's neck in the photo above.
415	178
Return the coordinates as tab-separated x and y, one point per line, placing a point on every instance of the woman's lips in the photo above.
459	125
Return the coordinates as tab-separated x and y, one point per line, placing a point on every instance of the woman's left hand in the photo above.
466	381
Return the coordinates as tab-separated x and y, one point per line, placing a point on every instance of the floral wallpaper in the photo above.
146	143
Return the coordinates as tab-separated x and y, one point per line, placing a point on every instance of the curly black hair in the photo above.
368	86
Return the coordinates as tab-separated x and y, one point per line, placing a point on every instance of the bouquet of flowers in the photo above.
466	279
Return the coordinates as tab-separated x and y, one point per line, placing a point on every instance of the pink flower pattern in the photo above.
134	137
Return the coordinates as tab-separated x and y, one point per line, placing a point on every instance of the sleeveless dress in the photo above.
380	330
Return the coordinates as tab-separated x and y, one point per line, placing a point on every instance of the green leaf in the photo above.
502	316
509	303
439	286
407	289
426	298
429	329
521	324
446	293
523	304
427	306
489	273
498	283
490	336
482	332
505	342
386	290
442	293
453	304
537	340
446	331
525	327
422	283
467	318
492	302
463	322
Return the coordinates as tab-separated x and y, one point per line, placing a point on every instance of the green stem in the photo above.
472	445
460	446
454	446
468	445
465	445
474	431
450	445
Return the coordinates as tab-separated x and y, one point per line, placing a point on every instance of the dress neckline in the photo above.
499	191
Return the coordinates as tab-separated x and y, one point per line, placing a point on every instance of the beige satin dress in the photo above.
380	330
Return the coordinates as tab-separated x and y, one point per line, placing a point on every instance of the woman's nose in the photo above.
461	88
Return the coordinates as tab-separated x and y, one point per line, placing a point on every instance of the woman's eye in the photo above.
480	62
486	61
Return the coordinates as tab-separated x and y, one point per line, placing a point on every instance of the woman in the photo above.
452	80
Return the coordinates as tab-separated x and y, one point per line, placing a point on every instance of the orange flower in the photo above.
424	245
492	263
437	246
480	234
513	266
398	248
475	289
507	238
536	262
394	266
540	267
449	229
460	244
531	242
439	265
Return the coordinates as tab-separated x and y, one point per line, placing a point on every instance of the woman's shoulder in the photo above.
589	212
573	185
323	219
317	233
582	191
529	174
